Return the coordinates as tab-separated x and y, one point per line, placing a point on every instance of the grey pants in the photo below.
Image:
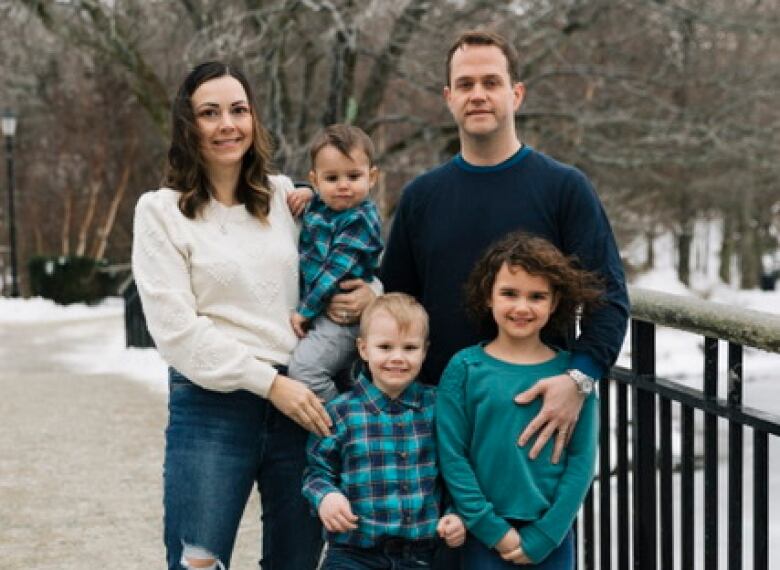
327	350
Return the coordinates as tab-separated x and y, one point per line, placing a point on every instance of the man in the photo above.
448	216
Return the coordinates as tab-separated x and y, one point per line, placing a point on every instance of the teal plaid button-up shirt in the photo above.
335	246
382	458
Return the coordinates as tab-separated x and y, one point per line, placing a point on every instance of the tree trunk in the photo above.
749	259
383	70
684	242
726	248
650	248
67	210
105	230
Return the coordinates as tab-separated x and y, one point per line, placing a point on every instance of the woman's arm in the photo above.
186	340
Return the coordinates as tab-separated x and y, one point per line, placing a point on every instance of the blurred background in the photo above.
669	106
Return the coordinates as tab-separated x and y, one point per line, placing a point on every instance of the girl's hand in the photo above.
510	548
300	404
509	542
336	513
517	556
452	530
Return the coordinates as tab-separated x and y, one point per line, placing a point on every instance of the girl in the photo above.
517	510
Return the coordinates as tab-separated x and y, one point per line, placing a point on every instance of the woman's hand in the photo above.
345	308
299	404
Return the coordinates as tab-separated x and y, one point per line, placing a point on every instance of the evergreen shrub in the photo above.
70	279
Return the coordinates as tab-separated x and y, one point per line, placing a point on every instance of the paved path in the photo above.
80	458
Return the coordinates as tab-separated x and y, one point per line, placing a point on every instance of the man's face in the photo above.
481	96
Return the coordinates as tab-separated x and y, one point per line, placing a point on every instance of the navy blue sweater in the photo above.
449	216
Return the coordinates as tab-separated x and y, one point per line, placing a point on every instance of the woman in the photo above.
216	263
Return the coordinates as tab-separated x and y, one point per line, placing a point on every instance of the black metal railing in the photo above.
641	523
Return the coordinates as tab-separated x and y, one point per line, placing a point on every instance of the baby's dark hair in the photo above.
575	288
345	138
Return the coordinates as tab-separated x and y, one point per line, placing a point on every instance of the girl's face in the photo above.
521	303
224	120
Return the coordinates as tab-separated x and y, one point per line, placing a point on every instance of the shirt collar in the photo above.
377	401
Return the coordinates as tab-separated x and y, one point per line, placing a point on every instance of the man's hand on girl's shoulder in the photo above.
558	416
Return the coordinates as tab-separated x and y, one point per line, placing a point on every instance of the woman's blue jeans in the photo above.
477	556
218	446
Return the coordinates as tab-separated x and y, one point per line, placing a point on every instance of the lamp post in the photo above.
9	131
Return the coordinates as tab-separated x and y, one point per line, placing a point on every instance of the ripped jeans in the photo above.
218	446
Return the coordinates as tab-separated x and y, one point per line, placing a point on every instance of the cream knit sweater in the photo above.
218	290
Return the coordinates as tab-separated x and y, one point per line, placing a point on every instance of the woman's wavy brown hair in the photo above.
576	289
186	170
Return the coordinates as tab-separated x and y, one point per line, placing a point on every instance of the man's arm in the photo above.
586	233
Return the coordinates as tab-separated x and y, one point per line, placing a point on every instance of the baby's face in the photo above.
342	181
394	356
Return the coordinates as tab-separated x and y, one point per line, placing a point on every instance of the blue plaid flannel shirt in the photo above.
382	457
335	246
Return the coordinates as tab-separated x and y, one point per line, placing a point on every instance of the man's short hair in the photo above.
345	139
403	308
480	37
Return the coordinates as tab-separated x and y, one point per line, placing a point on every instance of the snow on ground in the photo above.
143	365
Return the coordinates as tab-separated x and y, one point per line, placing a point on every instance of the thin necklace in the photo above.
223	218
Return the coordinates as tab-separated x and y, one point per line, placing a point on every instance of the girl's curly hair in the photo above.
186	171
577	290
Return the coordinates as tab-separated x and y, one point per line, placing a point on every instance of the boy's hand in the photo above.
336	514
298	324
452	530
298	199
510	548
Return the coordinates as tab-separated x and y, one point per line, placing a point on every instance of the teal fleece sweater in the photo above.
491	478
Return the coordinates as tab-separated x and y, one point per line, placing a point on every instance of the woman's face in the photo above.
224	120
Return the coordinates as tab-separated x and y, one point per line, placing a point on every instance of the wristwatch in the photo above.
583	381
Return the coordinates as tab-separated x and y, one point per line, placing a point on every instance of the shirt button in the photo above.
402	454
405	487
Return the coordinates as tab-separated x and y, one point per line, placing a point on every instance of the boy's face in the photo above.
342	182
393	356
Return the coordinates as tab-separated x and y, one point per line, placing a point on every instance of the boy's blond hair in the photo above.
403	308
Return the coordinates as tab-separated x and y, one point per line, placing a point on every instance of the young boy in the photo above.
340	239
375	481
